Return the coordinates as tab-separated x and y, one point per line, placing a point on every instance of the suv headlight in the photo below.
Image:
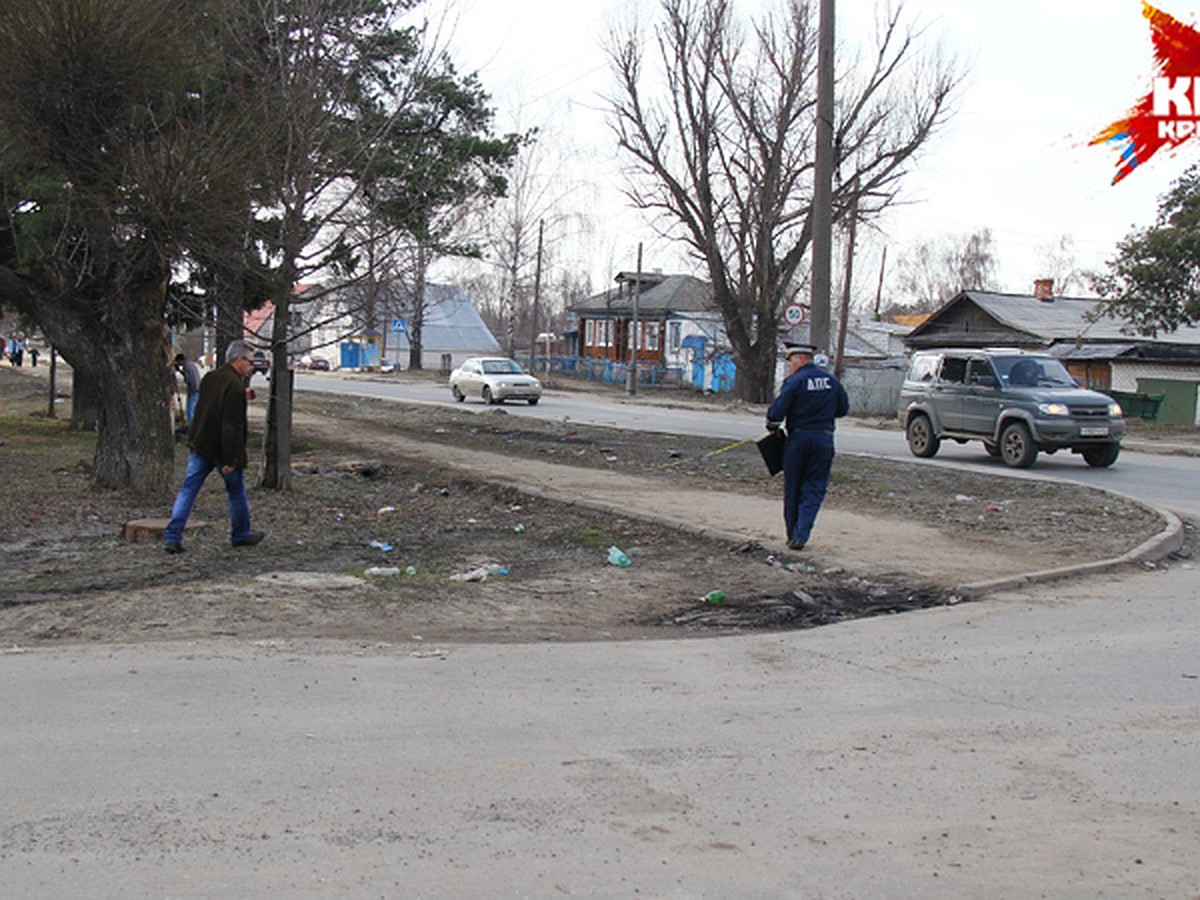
1114	410
1054	409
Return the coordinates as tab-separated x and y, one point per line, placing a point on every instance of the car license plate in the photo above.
1093	432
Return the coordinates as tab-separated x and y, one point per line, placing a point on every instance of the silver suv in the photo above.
1014	401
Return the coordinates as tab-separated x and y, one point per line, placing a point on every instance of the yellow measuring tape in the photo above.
732	446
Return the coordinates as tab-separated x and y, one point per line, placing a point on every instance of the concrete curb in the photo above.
1166	541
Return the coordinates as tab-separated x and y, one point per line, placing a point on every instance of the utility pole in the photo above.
637	292
849	277
879	286
537	293
822	212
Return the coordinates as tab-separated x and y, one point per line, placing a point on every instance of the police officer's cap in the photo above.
790	347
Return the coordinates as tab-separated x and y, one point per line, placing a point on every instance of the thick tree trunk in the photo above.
85	401
755	382
135	447
117	346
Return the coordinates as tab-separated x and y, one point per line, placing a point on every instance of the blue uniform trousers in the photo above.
807	461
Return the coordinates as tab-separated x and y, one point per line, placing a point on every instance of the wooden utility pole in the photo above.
633	338
879	287
537	294
844	313
822	211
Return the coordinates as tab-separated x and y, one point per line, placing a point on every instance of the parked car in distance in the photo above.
494	379
1016	402
261	364
319	365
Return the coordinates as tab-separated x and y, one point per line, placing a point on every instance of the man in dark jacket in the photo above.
808	402
217	440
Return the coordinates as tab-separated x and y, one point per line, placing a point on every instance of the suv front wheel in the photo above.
1016	446
921	439
1103	456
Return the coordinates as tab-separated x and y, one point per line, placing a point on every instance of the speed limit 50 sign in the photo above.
793	314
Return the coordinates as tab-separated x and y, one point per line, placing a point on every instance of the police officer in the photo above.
808	402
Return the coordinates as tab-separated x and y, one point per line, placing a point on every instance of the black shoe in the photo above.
795	545
254	537
173	547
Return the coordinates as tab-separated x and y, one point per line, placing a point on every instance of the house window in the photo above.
675	335
589	339
651	342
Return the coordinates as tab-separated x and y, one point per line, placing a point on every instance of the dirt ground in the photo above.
382	546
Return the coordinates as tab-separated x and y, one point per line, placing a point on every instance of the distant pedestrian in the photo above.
217	440
33	355
191	379
808	402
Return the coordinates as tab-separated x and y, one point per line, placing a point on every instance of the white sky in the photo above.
1043	77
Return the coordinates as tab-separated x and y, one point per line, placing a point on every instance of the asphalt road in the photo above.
1034	744
1168	482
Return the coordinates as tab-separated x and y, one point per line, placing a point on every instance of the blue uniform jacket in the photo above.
809	400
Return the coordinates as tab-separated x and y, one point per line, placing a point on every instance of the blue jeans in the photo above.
198	469
192	400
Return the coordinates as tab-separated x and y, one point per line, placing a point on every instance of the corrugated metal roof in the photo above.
1084	352
451	323
1064	318
675	293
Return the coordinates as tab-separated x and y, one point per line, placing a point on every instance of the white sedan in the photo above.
494	379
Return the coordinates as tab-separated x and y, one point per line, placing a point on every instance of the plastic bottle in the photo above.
382	570
713	597
617	557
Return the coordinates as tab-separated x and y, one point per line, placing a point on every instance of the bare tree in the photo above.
932	272
1058	262
724	151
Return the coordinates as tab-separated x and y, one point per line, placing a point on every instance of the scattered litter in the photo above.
382	570
618	557
674	454
713	597
993	509
410	570
611	458
445	492
480	573
384	510
379	545
472	521
518	528
963	498
774	562
801	568
14	649
338	517
429	654
833	570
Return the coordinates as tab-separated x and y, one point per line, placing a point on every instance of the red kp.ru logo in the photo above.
1170	113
